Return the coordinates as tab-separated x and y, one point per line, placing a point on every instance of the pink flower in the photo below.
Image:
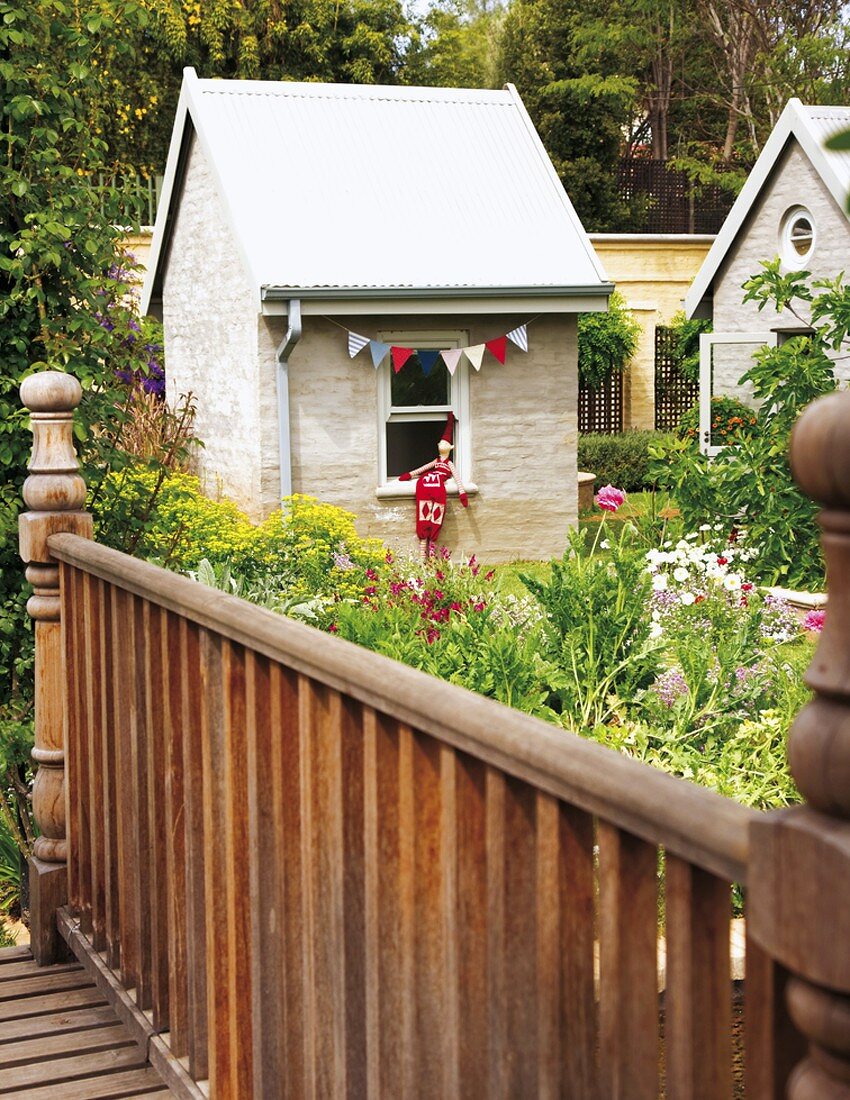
814	620
371	574
333	628
490	575
610	499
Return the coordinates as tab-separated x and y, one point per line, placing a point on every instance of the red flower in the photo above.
747	586
722	561
333	628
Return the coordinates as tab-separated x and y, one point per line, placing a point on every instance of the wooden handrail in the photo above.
692	823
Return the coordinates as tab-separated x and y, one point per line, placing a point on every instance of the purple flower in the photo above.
670	686
610	499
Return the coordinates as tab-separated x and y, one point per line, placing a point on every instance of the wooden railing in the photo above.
322	873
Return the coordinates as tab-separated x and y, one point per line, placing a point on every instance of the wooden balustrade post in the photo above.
55	494
798	902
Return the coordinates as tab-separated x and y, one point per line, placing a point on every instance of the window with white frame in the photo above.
412	406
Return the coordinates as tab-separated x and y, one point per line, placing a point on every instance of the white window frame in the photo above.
458	404
791	258
707	341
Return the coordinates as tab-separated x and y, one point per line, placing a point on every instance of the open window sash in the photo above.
724	357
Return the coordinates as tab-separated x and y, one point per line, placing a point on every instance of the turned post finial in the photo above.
55	494
799	881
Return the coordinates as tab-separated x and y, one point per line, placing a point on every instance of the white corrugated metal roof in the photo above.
370	187
811	126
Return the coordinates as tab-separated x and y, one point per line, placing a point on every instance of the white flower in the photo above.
732	582
655	630
651	568
705	527
687	598
659	582
681	574
656	616
605	545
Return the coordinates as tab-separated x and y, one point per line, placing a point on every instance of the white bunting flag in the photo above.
475	354
451	357
519	336
356	343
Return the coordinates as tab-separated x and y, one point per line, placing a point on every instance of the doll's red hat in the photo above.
449	430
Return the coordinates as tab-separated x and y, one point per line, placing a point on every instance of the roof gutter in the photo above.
338	293
290	339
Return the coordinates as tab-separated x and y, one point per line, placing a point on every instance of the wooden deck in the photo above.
60	1039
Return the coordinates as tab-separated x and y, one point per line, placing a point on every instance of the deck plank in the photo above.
76	1018
137	1082
42	1048
68	1042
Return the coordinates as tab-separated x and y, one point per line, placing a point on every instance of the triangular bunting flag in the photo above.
356	343
475	354
427	358
378	351
451	357
498	347
519	336
400	357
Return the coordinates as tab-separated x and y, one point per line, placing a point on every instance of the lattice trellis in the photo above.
601	410
674	393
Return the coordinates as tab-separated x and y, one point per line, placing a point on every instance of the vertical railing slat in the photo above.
155	748
124	719
213	752
79	719
238	856
175	931
94	747
547	986
698	1001
192	701
141	735
628	966
353	855
578	987
107	598
472	924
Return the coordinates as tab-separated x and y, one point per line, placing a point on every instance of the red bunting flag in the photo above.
497	347
400	357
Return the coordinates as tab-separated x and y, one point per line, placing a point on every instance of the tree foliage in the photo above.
63	284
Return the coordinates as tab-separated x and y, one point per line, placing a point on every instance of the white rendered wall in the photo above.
210	320
794	183
523	423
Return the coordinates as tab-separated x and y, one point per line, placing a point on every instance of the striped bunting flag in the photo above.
356	343
519	336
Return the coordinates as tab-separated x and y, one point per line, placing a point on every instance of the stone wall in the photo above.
210	320
793	182
522	422
653	274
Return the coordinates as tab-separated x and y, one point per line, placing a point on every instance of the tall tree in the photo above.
579	108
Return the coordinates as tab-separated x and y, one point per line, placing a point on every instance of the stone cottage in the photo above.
421	218
793	205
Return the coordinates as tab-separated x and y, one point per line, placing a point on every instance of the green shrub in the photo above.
622	460
731	420
686	349
606	341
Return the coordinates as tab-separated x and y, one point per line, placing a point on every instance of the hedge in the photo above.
622	460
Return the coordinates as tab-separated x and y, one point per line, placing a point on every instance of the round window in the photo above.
797	238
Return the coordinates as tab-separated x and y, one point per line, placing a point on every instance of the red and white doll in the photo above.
431	490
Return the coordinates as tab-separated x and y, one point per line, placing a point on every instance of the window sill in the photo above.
396	488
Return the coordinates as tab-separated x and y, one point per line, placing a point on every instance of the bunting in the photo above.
519	336
356	343
428	357
475	354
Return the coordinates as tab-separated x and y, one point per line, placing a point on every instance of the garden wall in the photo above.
653	273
